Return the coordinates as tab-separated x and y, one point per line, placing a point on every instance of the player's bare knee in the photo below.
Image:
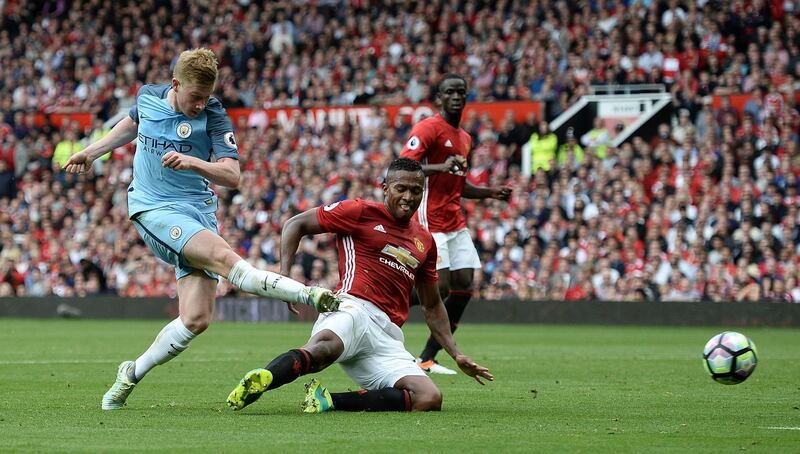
427	400
325	351
331	351
196	323
461	285
461	280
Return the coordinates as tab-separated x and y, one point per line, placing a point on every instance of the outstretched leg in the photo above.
209	251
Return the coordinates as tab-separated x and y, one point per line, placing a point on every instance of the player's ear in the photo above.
175	84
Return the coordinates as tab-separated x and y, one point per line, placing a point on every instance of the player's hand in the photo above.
473	369
292	308
177	161
455	164
501	193
80	162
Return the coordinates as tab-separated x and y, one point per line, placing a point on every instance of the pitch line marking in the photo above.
43	362
780	428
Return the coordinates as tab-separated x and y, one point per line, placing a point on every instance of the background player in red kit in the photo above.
443	147
383	254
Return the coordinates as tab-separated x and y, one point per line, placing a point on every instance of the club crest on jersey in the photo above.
175	232
402	255
184	130
419	245
413	143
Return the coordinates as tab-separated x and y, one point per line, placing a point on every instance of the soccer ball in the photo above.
730	357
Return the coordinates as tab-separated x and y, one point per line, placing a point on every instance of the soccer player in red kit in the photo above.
443	147
383	254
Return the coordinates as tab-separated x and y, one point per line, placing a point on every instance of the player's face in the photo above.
191	99
453	95
403	191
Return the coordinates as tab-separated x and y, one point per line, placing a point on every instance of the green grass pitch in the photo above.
558	389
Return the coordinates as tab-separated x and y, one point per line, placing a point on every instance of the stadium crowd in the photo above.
707	209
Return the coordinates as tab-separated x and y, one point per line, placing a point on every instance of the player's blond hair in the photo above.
197	67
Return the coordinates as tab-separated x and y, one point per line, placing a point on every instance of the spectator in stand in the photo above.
395	64
7	181
66	148
597	139
540	150
570	154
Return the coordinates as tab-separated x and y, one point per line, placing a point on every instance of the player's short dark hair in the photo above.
403	164
449	76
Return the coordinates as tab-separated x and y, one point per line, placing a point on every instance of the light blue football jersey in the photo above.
161	130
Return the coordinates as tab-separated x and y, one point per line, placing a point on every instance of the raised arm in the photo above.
122	133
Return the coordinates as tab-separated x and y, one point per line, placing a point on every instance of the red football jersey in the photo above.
380	258
432	141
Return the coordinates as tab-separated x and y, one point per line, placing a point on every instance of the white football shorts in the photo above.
374	355
456	250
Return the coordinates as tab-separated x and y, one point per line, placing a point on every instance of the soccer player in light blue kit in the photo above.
184	140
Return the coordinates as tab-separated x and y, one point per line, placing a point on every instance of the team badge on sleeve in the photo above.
184	130
230	140
413	143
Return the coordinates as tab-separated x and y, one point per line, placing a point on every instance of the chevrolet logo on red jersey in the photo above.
402	255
